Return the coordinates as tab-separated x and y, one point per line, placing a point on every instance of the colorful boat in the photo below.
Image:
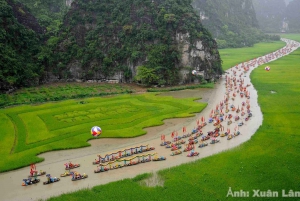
30	181
50	179
177	152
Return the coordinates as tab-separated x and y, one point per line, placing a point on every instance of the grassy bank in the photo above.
61	91
269	161
30	130
179	88
65	91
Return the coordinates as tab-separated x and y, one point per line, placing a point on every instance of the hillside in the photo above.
278	15
293	16
111	39
49	13
232	22
270	14
19	46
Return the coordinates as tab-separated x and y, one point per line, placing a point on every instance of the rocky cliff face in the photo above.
110	39
69	2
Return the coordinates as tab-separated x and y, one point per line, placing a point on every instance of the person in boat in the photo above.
48	178
67	165
192	152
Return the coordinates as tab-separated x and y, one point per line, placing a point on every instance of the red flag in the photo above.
172	135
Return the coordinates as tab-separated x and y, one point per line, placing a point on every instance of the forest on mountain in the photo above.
276	16
270	14
293	16
144	41
20	45
99	39
49	13
232	23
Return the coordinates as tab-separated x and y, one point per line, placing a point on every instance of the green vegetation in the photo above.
269	160
50	13
30	130
56	92
233	56
19	48
275	16
270	14
293	16
208	85
295	37
101	38
232	22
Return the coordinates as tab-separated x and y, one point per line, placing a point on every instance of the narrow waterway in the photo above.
11	188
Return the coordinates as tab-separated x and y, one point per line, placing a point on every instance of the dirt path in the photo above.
11	188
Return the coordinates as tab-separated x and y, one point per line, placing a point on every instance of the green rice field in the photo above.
32	129
268	161
234	56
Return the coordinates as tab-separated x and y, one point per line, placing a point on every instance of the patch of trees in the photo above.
50	13
19	49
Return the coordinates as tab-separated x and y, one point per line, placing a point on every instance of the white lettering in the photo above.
291	193
255	193
283	194
243	193
229	192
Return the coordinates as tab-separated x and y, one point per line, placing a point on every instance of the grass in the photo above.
30	130
61	91
207	85
234	56
295	37
269	160
65	91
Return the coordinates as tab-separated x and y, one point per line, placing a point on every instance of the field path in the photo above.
10	182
